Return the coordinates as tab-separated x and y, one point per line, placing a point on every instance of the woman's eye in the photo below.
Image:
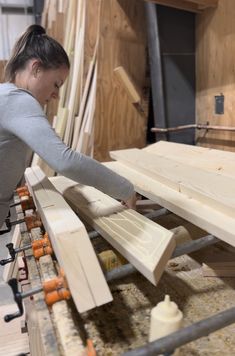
57	86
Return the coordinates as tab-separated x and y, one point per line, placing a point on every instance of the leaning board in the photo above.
147	245
70	242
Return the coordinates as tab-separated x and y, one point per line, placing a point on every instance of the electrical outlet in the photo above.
219	104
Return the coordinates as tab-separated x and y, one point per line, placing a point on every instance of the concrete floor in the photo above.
5	291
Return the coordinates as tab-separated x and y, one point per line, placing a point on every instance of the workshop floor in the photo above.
12	341
124	323
5	292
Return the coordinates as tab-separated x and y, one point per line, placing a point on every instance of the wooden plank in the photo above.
217	194
65	221
48	341
127	84
61	121
147	245
68	337
211	220
82	108
84	143
221	162
12	342
206	3
213	74
38	161
34	334
223	270
77	75
178	4
188	5
70	242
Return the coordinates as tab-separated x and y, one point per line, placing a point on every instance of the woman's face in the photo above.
45	83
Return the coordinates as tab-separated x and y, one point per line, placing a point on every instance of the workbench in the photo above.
123	324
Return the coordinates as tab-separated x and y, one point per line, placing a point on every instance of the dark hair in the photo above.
35	43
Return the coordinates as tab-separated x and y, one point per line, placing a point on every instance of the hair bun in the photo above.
36	30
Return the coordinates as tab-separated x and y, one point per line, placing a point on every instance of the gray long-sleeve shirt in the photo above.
24	127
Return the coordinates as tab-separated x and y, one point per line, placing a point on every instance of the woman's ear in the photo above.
35	67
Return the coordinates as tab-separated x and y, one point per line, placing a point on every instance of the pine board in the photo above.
147	245
210	188
211	220
70	242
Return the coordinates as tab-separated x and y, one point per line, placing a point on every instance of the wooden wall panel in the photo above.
215	73
122	42
2	65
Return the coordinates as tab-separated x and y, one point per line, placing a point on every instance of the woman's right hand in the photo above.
130	203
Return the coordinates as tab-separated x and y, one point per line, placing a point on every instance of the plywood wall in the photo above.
2	65
122	42
215	73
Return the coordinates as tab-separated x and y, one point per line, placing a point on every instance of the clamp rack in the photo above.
58	334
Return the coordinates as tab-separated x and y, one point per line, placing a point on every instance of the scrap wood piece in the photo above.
127	84
70	242
225	269
193	182
211	220
129	87
218	263
147	245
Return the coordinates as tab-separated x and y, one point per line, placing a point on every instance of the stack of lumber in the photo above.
71	115
193	182
95	113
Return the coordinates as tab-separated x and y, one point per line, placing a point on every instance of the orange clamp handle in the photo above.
41	243
54	284
55	290
57	295
22	191
27	202
90	348
32	222
39	252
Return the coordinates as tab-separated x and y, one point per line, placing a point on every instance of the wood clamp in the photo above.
26	203
22	191
39	247
31	221
54	290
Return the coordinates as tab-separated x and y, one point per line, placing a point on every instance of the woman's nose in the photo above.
55	95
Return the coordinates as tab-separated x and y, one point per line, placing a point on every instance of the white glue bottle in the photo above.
166	318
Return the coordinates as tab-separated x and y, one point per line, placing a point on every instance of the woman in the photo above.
34	74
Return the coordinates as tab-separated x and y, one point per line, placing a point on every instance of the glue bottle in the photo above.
166	318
